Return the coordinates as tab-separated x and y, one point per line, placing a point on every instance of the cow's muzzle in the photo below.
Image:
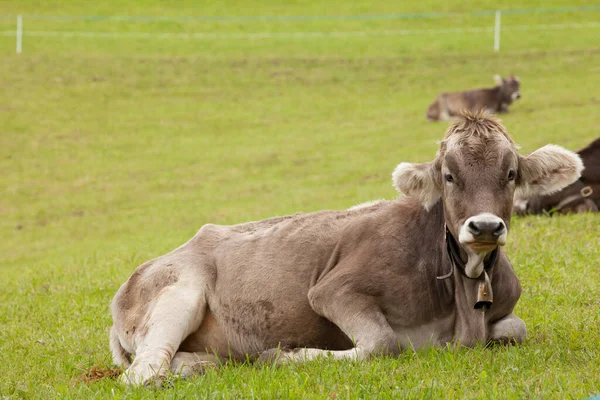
485	296
483	232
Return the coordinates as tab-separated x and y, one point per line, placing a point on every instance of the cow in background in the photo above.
581	196
493	100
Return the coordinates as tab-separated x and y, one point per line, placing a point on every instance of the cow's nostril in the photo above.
499	229
474	229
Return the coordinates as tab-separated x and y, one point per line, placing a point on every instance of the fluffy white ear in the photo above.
547	170
418	181
498	79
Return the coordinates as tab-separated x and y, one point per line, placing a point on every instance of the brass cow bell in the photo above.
485	296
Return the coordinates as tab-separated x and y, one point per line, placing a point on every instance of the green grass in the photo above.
115	151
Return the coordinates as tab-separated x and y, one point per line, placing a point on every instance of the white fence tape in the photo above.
304	18
296	35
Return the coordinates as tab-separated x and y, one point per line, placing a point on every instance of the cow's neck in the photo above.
455	287
470	324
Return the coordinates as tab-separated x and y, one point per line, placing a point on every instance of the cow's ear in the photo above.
547	170
498	79
420	181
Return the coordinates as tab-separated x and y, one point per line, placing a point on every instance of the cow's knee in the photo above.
510	329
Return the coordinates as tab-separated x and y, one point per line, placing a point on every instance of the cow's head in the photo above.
475	175
509	88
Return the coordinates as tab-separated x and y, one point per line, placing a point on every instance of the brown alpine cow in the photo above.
426	269
493	100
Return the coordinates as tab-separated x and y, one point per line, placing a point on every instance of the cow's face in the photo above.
510	88
479	175
475	174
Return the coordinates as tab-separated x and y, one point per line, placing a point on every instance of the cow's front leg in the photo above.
510	329
357	315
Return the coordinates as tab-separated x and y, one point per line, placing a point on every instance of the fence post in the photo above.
19	34
497	32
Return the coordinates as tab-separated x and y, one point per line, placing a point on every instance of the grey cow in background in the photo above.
492	100
426	269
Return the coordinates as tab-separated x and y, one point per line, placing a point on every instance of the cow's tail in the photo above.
120	356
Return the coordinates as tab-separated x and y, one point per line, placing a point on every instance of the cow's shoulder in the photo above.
384	252
387	228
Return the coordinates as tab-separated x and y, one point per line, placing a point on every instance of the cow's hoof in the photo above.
187	364
142	375
277	357
503	341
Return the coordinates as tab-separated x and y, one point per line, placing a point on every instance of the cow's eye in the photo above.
511	175
449	178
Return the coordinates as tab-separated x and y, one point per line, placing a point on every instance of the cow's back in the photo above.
476	99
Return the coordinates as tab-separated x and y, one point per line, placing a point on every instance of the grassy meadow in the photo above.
115	150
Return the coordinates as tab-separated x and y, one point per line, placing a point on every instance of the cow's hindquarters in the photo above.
163	331
162	303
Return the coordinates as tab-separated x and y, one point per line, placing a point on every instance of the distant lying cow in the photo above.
581	196
424	270
493	100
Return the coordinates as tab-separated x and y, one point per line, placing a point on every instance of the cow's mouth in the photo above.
483	247
480	255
